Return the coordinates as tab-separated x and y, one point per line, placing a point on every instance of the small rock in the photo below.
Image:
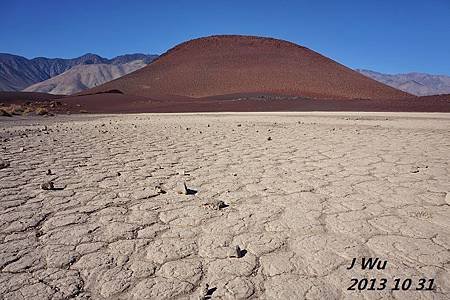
21	149
3	164
159	190
49	172
204	289
269	138
447	198
308	189
239	252
48	186
215	205
182	188
118	173
414	170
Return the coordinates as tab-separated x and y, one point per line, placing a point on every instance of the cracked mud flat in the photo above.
324	189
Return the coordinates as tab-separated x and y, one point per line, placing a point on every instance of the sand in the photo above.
304	194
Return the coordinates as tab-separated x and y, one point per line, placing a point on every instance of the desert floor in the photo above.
323	189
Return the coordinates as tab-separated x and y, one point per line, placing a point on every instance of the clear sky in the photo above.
391	36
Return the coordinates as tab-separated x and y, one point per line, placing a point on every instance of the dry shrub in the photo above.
27	111
12	110
15	109
41	111
4	113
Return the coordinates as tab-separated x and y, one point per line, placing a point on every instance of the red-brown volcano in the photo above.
229	64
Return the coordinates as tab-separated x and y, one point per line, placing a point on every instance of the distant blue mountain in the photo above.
420	84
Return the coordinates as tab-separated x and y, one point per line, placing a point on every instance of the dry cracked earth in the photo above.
303	194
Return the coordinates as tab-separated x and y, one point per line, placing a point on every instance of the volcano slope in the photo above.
229	64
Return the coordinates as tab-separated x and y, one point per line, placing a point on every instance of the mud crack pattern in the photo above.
322	190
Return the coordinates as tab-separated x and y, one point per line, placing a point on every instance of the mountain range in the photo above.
419	84
214	73
18	73
69	76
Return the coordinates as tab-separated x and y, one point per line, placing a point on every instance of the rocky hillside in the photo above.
82	77
17	72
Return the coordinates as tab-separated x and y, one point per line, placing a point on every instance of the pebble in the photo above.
48	186
239	252
159	190
3	164
182	172
182	188
414	170
215	205
203	291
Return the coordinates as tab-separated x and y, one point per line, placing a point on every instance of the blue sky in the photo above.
391	36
